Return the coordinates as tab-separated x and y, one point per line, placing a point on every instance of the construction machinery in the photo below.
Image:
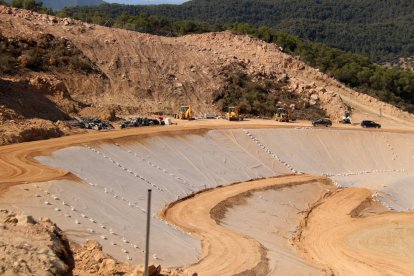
232	114
282	115
185	113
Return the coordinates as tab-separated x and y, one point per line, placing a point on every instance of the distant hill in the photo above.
379	29
60	4
146	2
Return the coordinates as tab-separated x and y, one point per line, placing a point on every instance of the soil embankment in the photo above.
335	238
199	215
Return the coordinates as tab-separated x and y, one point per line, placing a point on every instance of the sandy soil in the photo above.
349	245
152	73
220	243
141	73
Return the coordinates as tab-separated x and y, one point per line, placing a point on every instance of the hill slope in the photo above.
379	29
108	71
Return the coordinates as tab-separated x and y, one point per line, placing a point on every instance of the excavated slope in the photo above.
152	73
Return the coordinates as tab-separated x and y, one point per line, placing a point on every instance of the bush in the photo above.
8	64
262	98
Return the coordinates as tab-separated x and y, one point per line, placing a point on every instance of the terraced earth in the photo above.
306	201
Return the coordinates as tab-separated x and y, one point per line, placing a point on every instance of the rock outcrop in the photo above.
28	247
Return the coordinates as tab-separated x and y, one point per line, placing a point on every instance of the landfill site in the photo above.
231	195
228	199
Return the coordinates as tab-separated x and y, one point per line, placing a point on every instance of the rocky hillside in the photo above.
108	70
30	247
380	30
404	63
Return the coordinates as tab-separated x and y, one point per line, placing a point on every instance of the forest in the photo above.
378	29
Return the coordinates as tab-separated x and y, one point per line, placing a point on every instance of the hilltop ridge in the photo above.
59	4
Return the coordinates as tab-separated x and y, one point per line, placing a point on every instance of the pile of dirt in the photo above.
140	73
91	260
28	247
19	131
35	108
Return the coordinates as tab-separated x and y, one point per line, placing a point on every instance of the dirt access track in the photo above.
332	235
337	234
199	216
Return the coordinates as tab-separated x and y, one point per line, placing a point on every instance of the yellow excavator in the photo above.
232	114
282	115
185	113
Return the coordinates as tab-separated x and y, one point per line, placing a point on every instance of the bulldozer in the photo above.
185	113
282	115
232	114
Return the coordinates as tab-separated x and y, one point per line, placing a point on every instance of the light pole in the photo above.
148	233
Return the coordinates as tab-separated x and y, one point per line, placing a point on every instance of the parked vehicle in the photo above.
368	123
209	116
322	122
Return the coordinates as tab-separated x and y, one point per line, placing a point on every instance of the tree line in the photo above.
357	71
379	29
34	5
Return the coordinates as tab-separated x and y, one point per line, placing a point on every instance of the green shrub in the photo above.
45	54
262	98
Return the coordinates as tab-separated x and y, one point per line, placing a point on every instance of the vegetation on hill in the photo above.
26	4
262	98
389	85
379	29
44	54
355	70
54	4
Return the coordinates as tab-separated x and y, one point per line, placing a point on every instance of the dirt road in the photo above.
17	165
336	238
225	252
